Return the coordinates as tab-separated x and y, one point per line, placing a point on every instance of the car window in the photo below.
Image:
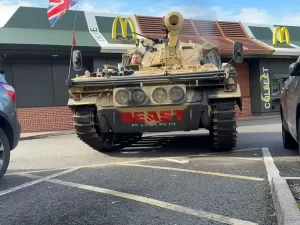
2	79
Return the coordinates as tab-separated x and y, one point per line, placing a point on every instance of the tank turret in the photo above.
169	54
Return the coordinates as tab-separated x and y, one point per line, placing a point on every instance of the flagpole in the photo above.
73	33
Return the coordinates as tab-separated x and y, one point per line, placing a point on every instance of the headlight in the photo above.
139	96
160	95
176	94
122	97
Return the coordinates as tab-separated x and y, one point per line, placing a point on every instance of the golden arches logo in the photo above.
123	27
284	36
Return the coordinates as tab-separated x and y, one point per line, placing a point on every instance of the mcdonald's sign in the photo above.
284	36
123	27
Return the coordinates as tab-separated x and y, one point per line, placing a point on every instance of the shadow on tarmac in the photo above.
192	144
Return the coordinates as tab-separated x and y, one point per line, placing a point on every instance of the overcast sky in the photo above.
256	11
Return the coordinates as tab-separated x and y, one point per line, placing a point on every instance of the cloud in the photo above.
113	7
261	16
247	15
8	8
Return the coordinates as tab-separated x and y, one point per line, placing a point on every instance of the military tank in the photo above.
161	85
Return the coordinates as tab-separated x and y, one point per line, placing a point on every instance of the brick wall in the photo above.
45	119
246	103
243	80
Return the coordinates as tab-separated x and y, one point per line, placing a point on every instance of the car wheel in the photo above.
288	141
4	153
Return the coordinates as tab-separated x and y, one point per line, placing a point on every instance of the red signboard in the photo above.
152	116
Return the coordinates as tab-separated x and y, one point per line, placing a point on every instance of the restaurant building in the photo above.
35	58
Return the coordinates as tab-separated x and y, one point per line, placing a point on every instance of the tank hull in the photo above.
153	119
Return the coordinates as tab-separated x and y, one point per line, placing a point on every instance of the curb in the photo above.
285	204
40	136
258	117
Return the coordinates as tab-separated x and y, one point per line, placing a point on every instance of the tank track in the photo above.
223	132
87	131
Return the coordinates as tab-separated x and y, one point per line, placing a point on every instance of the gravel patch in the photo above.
295	188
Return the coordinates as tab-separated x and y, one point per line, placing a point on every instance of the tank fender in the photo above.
83	101
104	126
219	93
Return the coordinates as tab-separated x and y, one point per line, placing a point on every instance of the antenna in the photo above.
73	33
166	30
166	46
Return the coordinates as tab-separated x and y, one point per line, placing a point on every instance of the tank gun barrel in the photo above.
174	22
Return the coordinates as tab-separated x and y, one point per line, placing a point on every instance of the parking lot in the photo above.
164	179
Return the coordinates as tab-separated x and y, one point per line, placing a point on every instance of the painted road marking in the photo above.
10	190
223	153
291	178
37	171
271	168
241	150
194	171
133	161
224	157
177	161
150	201
86	166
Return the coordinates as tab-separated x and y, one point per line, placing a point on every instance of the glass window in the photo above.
2	79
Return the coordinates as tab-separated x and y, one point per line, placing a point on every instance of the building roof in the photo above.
30	26
264	34
222	35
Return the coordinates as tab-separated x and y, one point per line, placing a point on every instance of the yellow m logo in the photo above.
284	36
123	27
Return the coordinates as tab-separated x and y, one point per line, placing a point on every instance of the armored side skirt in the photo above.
153	119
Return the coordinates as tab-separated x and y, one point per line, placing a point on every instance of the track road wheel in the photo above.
4	153
287	139
223	132
85	121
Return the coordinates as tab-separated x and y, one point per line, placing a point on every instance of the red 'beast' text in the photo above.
142	117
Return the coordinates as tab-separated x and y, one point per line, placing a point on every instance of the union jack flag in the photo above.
57	8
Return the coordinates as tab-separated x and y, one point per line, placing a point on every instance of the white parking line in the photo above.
271	168
150	201
134	161
10	190
224	157
37	171
291	178
223	153
194	171
184	161
173	207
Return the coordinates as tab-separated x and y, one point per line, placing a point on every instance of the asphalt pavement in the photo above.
167	178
